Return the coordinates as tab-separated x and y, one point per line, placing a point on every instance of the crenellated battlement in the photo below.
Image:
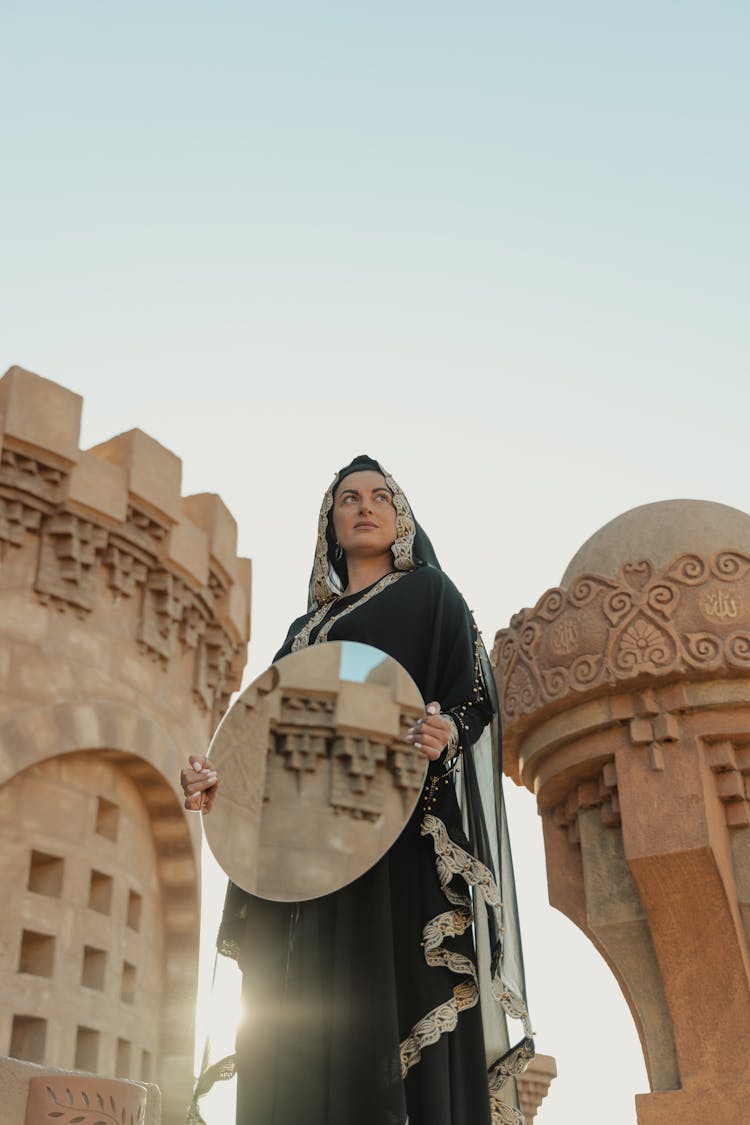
116	510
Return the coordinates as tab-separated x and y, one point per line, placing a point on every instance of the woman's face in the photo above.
364	518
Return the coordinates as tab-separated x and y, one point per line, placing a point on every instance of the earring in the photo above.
338	554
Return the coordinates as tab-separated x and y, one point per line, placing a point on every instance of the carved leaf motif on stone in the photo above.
131	1110
642	644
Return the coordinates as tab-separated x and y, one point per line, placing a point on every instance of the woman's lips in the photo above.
366	523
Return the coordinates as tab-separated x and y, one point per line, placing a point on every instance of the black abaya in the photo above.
334	987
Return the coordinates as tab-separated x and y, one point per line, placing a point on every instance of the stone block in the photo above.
187	551
98	489
641	731
40	417
21	619
244	572
238	614
730	786
154	473
210	513
666	728
41	678
24	1094
367	708
297	671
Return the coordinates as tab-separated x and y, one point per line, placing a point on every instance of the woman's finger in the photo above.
201	785
430	752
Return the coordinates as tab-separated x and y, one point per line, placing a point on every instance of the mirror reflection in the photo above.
317	778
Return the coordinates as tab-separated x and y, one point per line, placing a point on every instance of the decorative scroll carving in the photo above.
598	792
66	570
687	617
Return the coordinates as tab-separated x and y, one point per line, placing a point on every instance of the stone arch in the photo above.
138	746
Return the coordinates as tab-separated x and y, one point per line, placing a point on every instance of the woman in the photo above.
364	1006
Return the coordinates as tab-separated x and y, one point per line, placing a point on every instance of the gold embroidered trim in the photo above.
322	590
303	637
402	546
504	1114
439	1021
452	860
511	1065
220	1071
229	948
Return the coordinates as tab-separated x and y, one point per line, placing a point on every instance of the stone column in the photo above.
625	695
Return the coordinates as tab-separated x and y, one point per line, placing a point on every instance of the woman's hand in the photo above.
199	784
431	734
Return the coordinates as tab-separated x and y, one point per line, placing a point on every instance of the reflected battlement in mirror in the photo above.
317	778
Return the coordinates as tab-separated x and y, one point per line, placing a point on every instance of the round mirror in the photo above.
317	780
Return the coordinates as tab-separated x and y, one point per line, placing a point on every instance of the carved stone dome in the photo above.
660	532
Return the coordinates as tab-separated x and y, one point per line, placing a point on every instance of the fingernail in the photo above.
432	709
410	736
197	767
418	745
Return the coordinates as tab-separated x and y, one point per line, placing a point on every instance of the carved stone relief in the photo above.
599	792
601	632
67	566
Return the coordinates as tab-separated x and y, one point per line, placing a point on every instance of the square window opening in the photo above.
46	874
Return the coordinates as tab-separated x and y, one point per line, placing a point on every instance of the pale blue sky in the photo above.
503	248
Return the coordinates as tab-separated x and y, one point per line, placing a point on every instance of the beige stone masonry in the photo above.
209	512
39	416
98	490
154	473
123	633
